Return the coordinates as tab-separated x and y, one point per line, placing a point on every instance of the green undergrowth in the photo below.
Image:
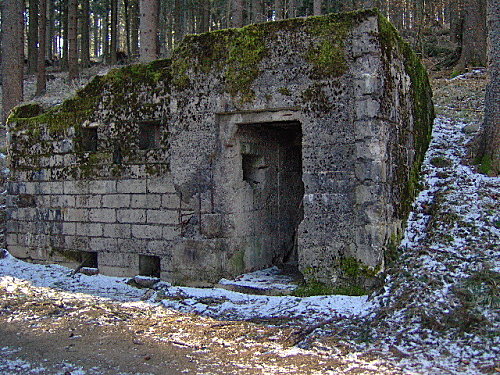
440	162
483	287
475	295
316	288
484	164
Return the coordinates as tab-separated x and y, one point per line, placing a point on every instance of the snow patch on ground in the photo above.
452	238
221	303
268	279
213	302
14	271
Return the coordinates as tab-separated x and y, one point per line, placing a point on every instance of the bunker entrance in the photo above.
271	191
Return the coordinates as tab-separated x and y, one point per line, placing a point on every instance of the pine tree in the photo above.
237	7
72	39
32	36
473	35
85	34
149	11
41	81
12	55
490	145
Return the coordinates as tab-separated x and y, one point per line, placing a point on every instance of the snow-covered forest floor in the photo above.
438	312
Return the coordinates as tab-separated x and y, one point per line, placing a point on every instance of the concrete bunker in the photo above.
290	142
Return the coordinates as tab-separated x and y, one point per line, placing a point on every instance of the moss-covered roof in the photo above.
235	54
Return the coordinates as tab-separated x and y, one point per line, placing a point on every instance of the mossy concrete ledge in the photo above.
296	142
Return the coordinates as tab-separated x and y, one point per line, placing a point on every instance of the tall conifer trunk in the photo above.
85	34
148	47
114	32
41	81
72	39
12	55
237	13
490	145
32	36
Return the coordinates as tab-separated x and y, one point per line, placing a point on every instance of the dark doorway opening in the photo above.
271	169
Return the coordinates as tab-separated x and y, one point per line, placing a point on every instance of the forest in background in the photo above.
70	35
108	31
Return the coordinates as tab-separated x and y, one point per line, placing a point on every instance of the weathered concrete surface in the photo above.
296	141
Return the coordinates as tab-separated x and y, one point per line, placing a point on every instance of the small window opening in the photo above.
89	139
88	259
149	136
149	265
253	167
117	155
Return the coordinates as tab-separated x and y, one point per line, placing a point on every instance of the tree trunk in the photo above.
126	13
237	13
1	37
12	55
474	35
317	5
72	39
97	40
178	21
50	31
162	31
105	36
134	27
205	16
292	9
32	36
170	31
148	30
258	13
490	145
114	32
278	9
85	34
64	35
419	25
456	11
41	81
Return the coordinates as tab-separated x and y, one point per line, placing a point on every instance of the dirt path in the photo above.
52	332
110	349
80	334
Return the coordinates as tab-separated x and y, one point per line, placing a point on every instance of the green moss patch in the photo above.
238	53
423	109
26	111
245	54
440	162
327	55
316	288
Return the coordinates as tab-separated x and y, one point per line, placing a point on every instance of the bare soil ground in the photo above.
67	333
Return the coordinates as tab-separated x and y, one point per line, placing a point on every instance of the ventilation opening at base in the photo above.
149	265
88	259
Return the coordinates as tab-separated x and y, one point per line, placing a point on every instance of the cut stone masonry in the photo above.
286	143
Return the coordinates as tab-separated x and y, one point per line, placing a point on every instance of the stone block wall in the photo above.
288	142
